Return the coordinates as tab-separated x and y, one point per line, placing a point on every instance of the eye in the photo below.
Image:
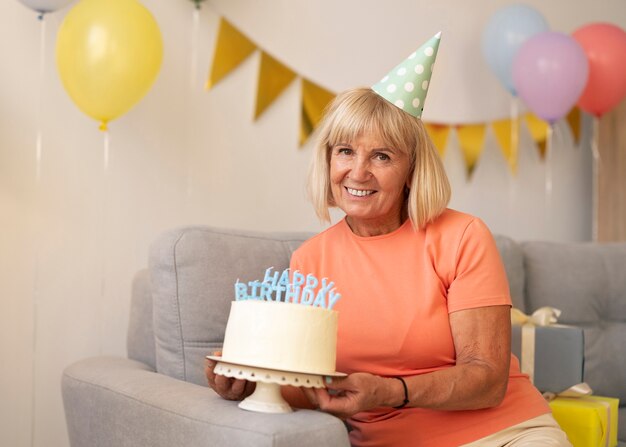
381	156
341	150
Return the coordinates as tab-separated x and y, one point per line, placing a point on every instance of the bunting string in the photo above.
233	47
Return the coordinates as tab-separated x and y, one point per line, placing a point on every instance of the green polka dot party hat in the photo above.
407	84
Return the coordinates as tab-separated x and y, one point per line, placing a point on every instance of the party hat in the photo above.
407	84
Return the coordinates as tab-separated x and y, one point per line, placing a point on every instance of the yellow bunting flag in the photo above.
539	131
232	49
274	77
314	101
574	119
507	135
471	140
439	135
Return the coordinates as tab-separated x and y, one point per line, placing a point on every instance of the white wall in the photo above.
72	238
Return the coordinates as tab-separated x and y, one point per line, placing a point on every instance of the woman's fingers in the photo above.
228	388
209	366
311	395
237	387
250	387
223	386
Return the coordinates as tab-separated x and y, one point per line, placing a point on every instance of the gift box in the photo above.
589	421
552	356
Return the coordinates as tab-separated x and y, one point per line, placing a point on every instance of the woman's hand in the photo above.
346	396
227	387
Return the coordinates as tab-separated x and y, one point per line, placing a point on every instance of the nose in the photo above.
360	171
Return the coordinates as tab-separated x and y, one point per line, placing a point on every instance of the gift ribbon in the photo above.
575	391
579	391
544	316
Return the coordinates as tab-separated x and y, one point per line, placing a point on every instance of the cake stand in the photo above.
267	397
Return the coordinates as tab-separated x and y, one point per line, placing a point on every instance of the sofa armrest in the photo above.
114	401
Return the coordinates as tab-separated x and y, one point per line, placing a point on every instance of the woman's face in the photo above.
367	180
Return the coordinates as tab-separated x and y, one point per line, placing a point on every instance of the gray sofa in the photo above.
157	396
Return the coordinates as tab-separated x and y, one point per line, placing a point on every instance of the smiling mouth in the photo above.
360	192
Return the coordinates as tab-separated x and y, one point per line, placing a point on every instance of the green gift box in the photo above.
589	421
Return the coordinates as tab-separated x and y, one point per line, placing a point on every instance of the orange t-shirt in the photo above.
396	292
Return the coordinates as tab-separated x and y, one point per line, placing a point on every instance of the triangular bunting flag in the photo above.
231	49
471	140
439	135
573	119
314	101
274	77
539	131
507	135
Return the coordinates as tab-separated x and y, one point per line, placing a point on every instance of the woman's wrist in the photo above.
405	389
394	395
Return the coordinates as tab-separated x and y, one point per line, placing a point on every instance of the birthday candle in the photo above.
306	290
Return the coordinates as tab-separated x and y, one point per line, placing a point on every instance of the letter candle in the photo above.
306	290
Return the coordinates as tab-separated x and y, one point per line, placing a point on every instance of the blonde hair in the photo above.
361	110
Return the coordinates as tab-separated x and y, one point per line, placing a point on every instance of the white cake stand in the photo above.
267	397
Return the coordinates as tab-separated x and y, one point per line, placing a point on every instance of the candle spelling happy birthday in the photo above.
307	290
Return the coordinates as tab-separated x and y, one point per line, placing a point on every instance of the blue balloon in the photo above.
507	30
45	6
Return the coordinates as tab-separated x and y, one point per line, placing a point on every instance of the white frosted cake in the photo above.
283	336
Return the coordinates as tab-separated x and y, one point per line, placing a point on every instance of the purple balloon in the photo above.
550	71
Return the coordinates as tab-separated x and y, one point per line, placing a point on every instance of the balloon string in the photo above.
36	298
549	157
193	68
106	151
514	134
42	64
103	237
513	156
597	162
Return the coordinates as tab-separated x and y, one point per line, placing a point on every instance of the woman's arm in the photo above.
482	341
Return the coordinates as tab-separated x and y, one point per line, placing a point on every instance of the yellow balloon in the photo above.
108	55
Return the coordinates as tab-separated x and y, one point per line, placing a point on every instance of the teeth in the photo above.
359	192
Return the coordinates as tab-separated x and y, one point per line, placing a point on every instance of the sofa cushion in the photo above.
587	282
192	274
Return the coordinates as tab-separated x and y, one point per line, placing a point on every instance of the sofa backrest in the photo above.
140	335
192	276
180	309
180	305
513	260
587	282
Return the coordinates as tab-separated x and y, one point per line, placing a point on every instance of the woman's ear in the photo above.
409	180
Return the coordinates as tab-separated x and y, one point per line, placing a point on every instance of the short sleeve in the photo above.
479	279
295	263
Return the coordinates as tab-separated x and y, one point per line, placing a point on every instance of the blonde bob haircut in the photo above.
359	111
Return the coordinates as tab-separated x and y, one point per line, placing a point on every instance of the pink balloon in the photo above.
605	47
550	71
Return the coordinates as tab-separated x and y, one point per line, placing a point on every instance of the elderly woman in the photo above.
424	331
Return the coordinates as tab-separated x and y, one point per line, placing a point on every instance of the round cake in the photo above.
282	336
